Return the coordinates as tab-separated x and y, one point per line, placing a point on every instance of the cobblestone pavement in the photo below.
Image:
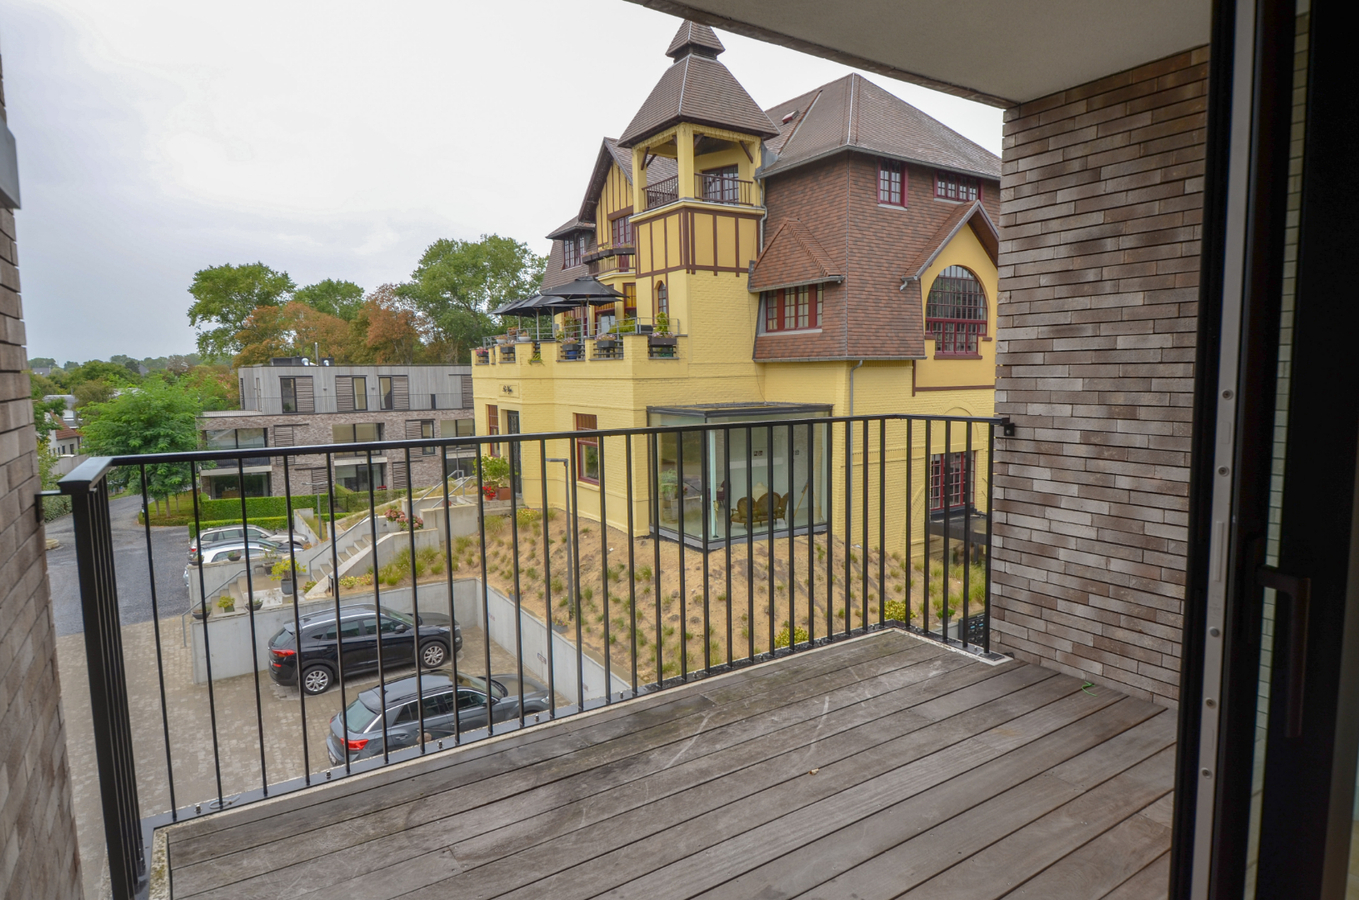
193	769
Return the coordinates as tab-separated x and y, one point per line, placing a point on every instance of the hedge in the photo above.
258	507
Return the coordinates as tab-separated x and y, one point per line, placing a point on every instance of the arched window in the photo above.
662	299
955	314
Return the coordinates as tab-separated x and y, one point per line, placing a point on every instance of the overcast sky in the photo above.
330	140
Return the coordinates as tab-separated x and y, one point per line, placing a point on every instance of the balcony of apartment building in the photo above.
638	339
719	186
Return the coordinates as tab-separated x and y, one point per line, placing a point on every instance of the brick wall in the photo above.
868	316
38	856
1100	210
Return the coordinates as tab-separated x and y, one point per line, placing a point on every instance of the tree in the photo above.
457	283
392	329
291	330
111	373
88	392
213	387
43	410
158	417
341	299
225	296
41	385
39	362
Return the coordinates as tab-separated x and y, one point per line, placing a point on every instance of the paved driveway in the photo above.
169	549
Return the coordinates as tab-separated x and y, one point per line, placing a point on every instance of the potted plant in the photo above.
285	571
495	472
661	342
483	355
201	611
227	603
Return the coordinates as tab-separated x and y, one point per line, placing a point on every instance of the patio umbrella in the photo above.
586	291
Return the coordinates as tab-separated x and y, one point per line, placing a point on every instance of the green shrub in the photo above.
895	609
255	507
799	636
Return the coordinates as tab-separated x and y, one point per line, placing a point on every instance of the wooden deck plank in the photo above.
680	826
1007	863
293	815
840	851
1101	865
868	768
562	735
405	832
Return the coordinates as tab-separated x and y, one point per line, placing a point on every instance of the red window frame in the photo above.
952	186
961	479
891	182
493	425
955	312
793	309
585	446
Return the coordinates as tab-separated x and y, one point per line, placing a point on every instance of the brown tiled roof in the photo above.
792	256
697	89
854	113
971	214
64	433
571	225
693	37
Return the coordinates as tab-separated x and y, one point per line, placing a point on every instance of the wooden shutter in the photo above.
399	479
306	398
283	435
467	402
401	392
413	430
344	394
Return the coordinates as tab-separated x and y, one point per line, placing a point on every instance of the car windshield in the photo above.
399	617
479	684
358	717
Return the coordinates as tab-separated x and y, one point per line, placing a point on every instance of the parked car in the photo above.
470	701
259	552
317	655
235	534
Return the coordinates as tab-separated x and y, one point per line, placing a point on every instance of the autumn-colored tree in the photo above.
294	329
393	329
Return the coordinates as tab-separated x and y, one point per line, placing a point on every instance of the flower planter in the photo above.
287	587
200	613
502	493
571	350
660	340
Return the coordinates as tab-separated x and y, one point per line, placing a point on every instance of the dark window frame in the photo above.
956	314
803	306
955	187
662	299
962	475
573	249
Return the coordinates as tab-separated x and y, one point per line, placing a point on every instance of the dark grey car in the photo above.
471	701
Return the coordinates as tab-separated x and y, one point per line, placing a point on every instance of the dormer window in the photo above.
573	248
951	186
891	182
621	231
792	309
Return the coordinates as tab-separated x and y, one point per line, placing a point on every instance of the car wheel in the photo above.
316	680
433	654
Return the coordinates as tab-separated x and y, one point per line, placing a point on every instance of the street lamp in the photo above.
570	555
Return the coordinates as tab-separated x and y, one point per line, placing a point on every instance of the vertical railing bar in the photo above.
849	522
297	623
250	611
945	471
632	561
990	516
863	575
811	536
726	525
789	509
750	543
415	603
207	645
515	483
769	535
654	474
377	609
155	620
882	520
335	589
910	503
574	606
929	488
604	569
704	524
683	590
485	589
967	530
828	477
448	568
547	585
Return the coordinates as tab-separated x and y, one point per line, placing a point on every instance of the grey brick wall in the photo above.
38	856
1101	196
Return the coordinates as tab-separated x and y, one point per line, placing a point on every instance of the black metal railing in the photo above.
619	562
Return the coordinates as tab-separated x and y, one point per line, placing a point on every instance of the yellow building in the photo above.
832	256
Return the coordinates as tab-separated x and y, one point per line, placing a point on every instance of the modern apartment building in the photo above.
292	403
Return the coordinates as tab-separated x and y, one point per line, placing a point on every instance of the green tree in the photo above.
458	282
42	422
158	417
334	298
225	296
38	362
41	385
112	373
88	392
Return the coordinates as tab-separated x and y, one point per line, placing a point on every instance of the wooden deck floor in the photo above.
881	767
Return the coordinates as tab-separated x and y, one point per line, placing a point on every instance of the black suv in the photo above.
318	654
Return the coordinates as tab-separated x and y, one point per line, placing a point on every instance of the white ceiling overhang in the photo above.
998	52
